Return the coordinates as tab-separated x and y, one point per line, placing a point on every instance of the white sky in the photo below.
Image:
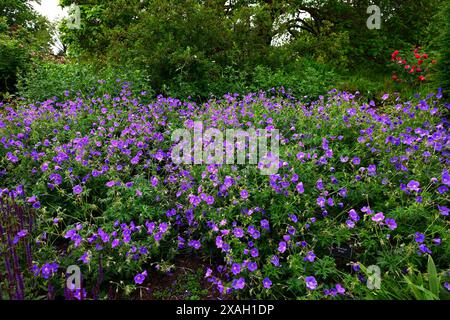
50	9
53	12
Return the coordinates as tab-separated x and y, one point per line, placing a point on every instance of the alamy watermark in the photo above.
74	17
374	21
233	146
73	281
373	277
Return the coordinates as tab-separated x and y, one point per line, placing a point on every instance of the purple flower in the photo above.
321	202
340	289
236	268
350	224
447	286
265	224
267	283
300	188
194	244
85	258
419	237
385	96
391	223
158	236
238	283
424	249
282	247
275	261
310	256
244	194
437	241
238	232
356	267
115	243
319	184
77	189
353	215
442	189
154	181
163	227
129	184
252	266
378	217
20	235
413	186
80	294
445	177
110	184
48	269
443	210
140	277
209	200
311	283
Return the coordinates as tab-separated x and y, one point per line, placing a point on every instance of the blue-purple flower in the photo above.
140	277
311	283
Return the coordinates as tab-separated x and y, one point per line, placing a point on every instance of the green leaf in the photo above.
433	278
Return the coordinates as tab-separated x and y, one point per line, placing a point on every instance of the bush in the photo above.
444	49
303	78
13	58
50	79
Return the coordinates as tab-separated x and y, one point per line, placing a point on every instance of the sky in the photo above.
50	9
53	12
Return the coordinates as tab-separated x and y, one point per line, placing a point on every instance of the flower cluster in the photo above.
99	174
412	67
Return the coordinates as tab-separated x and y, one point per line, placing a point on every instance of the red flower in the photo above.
421	78
425	56
394	54
419	62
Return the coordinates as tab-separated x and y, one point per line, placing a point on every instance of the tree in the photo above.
23	34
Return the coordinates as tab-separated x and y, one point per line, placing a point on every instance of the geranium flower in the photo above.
311	283
140	277
77	189
238	283
267	283
310	256
378	217
413	185
236	268
252	266
300	188
443	210
419	237
391	223
282	247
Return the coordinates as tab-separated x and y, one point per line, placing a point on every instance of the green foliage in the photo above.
302	77
23	34
13	57
49	79
443	44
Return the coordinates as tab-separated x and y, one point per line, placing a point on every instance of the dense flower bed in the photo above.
99	189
